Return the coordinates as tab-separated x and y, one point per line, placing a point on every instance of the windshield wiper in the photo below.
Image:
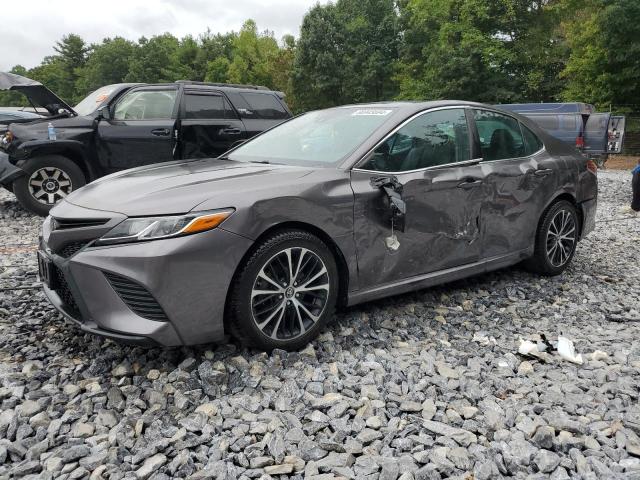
266	162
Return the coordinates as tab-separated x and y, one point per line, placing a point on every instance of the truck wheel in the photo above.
47	180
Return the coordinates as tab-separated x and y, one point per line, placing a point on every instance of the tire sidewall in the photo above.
21	184
242	290
542	237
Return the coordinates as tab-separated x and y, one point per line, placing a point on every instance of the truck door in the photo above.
208	124
140	131
596	133
616	133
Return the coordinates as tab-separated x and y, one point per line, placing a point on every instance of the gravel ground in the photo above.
424	385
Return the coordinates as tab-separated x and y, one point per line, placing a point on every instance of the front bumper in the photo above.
8	171
188	277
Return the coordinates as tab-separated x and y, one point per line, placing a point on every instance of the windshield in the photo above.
92	101
320	138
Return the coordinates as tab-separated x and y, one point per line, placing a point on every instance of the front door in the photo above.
208	125
520	179
429	159
141	130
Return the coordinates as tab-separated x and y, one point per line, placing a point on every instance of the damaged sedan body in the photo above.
331	208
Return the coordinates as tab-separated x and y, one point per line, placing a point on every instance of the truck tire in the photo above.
47	180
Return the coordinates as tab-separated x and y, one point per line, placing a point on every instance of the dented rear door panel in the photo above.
441	224
517	192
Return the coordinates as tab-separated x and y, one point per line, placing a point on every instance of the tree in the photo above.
253	56
346	53
71	56
157	60
106	63
604	64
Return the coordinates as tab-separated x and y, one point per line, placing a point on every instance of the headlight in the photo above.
154	228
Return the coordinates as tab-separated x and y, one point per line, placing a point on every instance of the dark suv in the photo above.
127	125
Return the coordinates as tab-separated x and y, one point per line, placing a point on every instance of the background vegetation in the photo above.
368	50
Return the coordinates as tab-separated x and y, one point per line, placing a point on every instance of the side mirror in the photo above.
104	113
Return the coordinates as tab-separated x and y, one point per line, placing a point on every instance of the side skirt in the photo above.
427	280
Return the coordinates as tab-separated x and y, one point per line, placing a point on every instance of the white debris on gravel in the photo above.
424	385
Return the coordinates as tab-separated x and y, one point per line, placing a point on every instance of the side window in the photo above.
531	142
145	105
264	105
203	106
434	138
500	135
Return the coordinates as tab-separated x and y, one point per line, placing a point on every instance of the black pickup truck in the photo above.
123	126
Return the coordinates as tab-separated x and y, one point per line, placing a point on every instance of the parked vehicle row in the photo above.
331	208
123	126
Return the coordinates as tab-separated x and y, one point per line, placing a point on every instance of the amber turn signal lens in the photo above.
206	222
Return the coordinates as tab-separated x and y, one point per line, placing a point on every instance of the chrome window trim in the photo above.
466	163
395	130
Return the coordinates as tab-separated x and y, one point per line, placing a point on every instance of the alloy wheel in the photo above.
561	238
290	293
49	185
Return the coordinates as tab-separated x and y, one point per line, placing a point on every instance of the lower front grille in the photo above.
70	249
61	287
136	297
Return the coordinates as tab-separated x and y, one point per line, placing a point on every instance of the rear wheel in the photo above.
284	293
556	239
47	180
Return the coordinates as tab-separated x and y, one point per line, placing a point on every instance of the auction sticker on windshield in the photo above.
371	111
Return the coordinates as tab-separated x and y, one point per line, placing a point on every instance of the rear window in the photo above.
206	106
264	105
532	143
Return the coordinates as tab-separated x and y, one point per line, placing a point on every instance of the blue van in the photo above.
597	134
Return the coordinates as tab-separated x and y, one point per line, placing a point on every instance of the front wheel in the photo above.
47	180
556	239
284	293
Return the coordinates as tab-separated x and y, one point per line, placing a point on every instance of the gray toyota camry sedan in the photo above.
332	208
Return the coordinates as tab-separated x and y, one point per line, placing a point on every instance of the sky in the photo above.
31	27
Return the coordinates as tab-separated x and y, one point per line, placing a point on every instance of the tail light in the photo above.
580	142
592	166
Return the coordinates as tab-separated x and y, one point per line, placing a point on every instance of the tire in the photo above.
551	258
288	317
58	176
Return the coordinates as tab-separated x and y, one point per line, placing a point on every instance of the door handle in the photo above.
543	172
161	132
230	131
470	183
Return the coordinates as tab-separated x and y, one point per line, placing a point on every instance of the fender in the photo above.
34	148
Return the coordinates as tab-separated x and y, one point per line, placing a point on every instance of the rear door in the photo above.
520	178
596	133
141	129
208	124
616	133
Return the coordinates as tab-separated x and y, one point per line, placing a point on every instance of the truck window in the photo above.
146	105
265	105
203	106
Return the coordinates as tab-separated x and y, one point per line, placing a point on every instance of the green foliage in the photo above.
346	53
371	50
604	61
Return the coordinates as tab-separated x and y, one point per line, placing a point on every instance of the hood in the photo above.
37	93
179	187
